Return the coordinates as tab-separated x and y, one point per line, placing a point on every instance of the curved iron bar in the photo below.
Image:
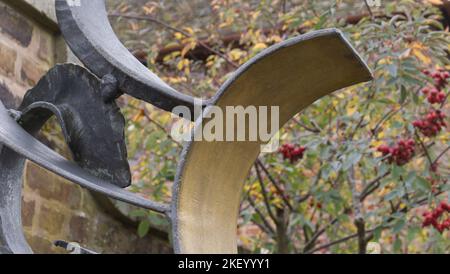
93	128
291	75
90	36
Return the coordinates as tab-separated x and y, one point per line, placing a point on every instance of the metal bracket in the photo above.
74	248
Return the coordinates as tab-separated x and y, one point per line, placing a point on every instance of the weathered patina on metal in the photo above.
204	208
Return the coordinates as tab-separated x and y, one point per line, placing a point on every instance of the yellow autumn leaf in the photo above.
178	35
376	143
188	47
148	10
276	39
309	23
134	26
189	30
259	46
138	117
351	109
236	54
421	56
180	65
256	15
418	51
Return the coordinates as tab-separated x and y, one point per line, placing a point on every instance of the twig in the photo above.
361	120
174	29
370	186
441	155
385	118
310	243
336	242
269	228
369	9
425	150
264	193
276	185
357	207
313	130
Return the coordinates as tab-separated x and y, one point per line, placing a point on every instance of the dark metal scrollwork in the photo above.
203	212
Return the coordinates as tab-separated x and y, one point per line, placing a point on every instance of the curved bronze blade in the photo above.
90	36
291	75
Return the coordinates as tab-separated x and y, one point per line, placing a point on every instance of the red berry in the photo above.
432	218
432	124
292	152
399	154
440	77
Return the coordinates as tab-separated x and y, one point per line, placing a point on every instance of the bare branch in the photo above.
370	187
369	9
357	207
425	150
264	193
276	185
269	228
174	29
310	244
441	155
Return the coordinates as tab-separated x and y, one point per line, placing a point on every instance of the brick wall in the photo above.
53	208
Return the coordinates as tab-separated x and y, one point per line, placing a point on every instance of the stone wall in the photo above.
54	209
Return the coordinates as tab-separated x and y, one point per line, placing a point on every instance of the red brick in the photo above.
15	25
31	72
70	194
28	210
79	227
51	220
42	181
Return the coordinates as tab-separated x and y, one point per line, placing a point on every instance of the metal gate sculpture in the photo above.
204	208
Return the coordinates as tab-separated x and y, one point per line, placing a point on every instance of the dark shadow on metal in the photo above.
89	117
93	130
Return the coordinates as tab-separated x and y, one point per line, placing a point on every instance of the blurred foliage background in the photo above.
344	193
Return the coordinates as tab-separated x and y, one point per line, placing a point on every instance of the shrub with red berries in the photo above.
434	95
292	152
400	154
431	124
439	76
434	218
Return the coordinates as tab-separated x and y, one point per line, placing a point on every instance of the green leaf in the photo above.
138	213
393	70
403	94
398	245
423	184
391	195
143	228
398	226
351	160
397	171
377	233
